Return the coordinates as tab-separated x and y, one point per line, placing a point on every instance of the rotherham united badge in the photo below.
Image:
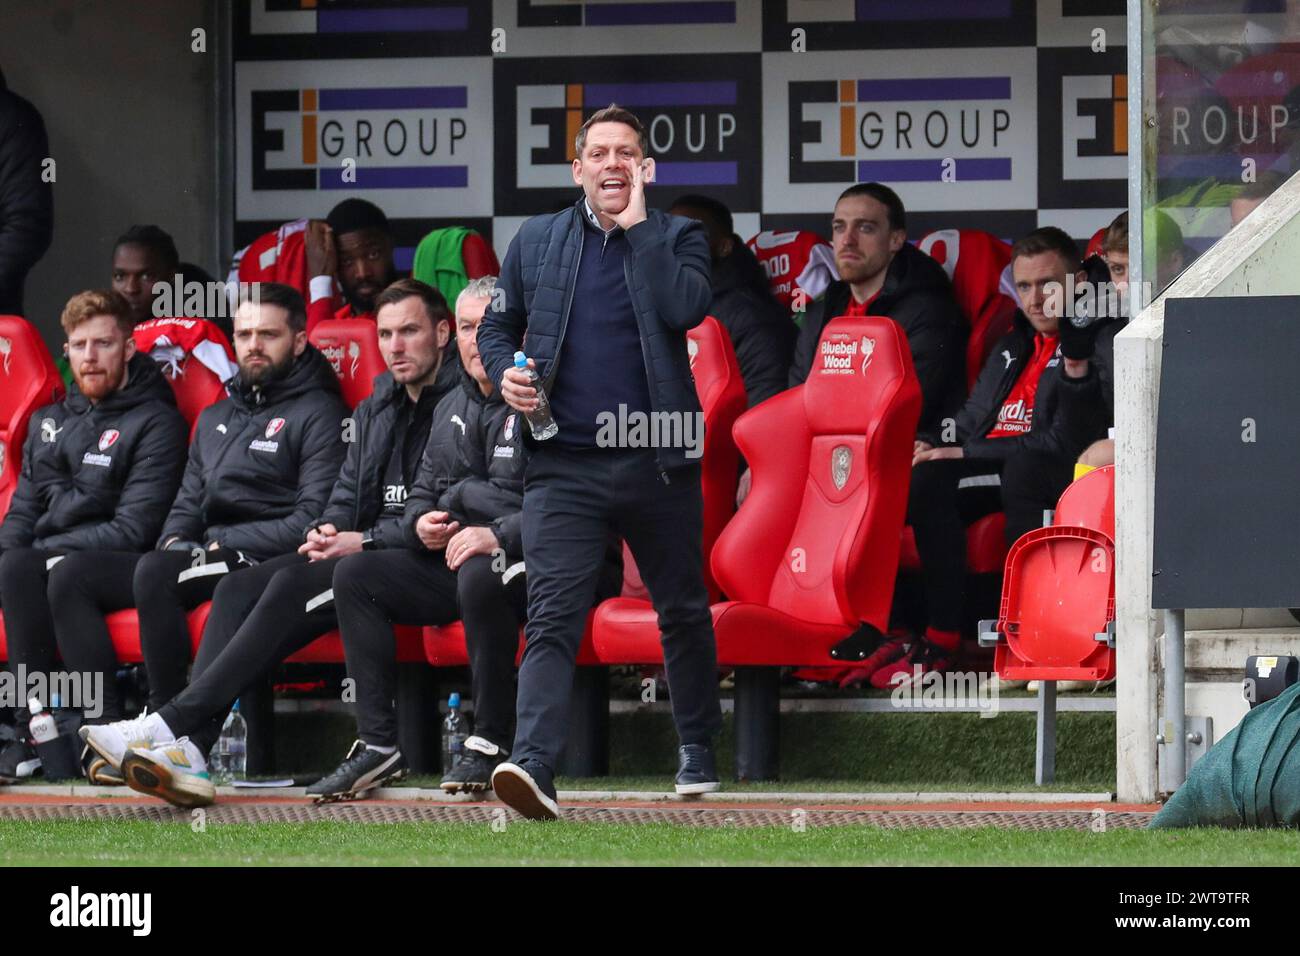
841	465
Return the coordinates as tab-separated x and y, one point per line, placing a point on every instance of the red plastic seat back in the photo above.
818	536
974	261
721	391
1089	502
352	347
1058	595
28	381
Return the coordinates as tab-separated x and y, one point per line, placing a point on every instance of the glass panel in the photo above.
1227	92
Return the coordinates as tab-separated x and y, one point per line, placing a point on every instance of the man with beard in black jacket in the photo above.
98	471
263	614
1013	416
260	469
759	327
881	273
464	559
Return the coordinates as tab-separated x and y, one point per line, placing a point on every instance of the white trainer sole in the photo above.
180	790
516	789
692	789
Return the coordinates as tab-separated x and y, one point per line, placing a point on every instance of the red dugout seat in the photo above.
721	391
352	347
1089	502
328	648
1058	607
28	381
1057	616
802	578
124	629
986	546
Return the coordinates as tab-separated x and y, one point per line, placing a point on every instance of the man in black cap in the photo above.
352	246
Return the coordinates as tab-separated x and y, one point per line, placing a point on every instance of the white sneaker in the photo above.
176	771
112	741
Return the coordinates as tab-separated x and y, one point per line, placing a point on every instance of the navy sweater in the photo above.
601	364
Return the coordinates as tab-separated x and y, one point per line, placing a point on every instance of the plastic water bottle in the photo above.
540	421
453	734
217	764
232	747
57	757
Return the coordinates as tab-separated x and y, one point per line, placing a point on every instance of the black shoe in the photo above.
98	770
528	789
363	769
18	760
473	772
696	772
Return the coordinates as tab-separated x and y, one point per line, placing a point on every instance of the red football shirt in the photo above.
1017	412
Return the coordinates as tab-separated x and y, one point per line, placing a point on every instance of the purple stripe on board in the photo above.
393	20
716	93
398	177
931	170
933	10
396	98
628	14
935	88
696	174
1219	165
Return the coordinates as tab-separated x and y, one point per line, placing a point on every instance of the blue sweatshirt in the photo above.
601	363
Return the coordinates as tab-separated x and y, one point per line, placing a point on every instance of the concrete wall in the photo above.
1258	258
131	116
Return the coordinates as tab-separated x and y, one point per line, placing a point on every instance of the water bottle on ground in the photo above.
453	734
57	757
540	421
232	748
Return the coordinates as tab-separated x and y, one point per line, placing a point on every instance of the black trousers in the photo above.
572	499
85	586
945	497
167	585
260	615
163	586
1031	484
29	627
373	591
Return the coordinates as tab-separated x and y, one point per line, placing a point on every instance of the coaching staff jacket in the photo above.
263	462
99	477
668	278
